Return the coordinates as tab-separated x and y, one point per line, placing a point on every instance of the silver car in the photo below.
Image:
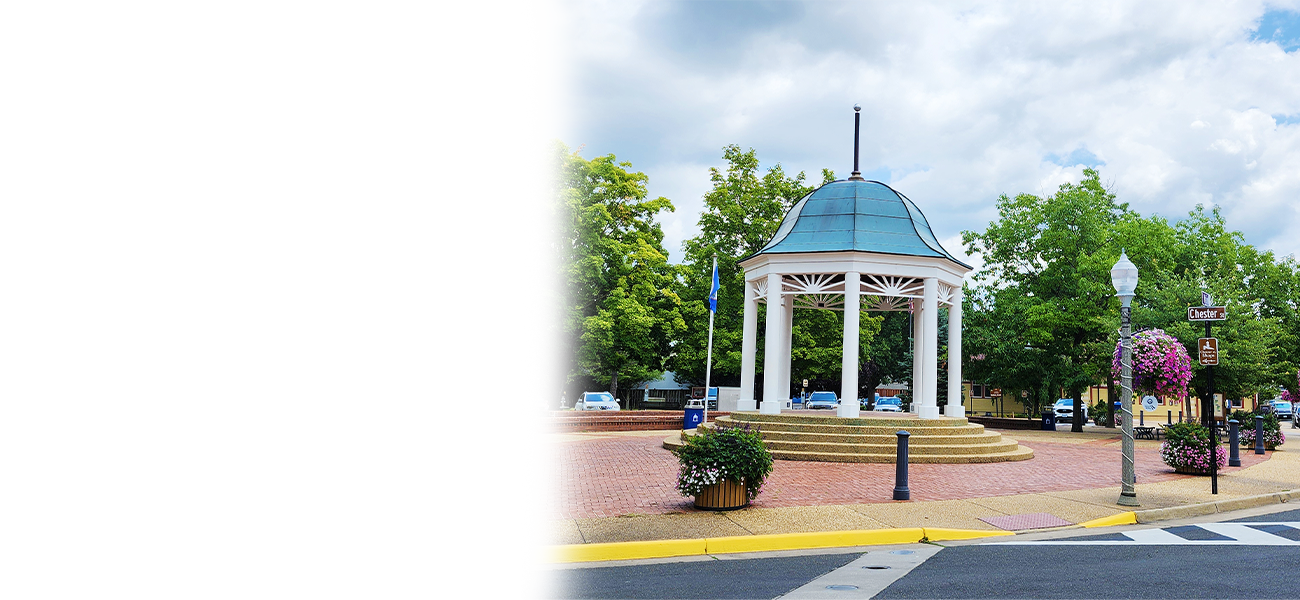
823	400
597	401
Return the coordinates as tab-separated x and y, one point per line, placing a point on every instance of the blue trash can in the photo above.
1049	421
694	414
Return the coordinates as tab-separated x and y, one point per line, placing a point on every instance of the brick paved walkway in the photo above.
612	476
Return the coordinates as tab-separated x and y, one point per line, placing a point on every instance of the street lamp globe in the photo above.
1124	276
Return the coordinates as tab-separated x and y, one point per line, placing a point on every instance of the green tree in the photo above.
741	213
1054	253
1199	254
622	315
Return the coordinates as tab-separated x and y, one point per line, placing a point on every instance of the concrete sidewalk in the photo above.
1270	481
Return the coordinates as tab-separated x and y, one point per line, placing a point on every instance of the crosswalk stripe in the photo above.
1241	534
1246	534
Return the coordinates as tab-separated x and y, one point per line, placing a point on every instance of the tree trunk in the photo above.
613	384
1076	423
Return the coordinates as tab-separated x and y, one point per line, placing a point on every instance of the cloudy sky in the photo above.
1175	103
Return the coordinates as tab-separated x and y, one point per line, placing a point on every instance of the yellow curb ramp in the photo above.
1124	518
761	543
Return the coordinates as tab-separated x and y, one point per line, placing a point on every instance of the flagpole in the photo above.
708	361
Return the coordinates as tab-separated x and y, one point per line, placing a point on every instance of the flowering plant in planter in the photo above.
1273	436
715	455
1161	365
1187	448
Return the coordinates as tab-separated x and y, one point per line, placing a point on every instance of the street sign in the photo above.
805	383
1209	352
996	393
1207	313
1205	299
1149	403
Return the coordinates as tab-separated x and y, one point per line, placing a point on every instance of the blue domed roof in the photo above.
863	216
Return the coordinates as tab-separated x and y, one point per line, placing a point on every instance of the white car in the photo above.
1064	409
597	401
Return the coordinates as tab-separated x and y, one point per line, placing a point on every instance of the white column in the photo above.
788	329
748	349
954	408
918	346
849	366
772	400
930	355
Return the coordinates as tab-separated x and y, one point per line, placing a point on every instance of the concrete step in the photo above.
914	449
983	437
917	427
896	420
1020	453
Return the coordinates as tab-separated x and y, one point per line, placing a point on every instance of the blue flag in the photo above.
713	292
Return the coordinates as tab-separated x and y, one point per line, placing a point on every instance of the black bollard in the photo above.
1234	440
1259	434
1142	417
900	474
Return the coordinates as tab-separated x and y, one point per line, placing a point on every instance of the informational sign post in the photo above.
1208	350
1208	353
1149	403
1207	313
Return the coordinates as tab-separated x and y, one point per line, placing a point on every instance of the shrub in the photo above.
1187	446
716	455
1273	436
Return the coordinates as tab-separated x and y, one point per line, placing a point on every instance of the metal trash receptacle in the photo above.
1049	420
694	414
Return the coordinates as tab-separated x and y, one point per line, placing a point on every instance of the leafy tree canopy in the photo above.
622	315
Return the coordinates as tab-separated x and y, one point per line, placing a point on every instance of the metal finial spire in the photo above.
857	123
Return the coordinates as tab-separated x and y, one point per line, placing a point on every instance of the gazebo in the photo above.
853	244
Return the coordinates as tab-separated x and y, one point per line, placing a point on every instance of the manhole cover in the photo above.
914	551
887	566
854	587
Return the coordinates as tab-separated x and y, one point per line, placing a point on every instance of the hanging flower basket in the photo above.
727	495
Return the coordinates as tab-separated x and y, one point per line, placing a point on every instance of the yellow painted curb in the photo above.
740	543
936	534
627	550
1124	518
825	539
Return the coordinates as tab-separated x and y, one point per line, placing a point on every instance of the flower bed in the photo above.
1187	448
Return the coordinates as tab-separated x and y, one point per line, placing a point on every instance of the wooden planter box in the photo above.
722	496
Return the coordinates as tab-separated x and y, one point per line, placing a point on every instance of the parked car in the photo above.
823	400
1282	409
536	403
597	401
1064	409
891	404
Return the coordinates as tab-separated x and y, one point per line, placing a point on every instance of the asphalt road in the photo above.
991	571
1198	563
752	578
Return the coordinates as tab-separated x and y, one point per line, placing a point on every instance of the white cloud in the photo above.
960	104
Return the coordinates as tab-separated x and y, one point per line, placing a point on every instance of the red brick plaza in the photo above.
632	474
